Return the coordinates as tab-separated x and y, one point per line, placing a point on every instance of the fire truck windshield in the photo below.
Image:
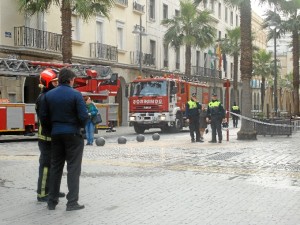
148	88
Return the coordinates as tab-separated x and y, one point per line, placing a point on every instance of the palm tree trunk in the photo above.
247	131
66	24
295	36
188	55
263	84
235	78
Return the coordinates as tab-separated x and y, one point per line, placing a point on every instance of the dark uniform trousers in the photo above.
69	148
216	122
194	127
44	168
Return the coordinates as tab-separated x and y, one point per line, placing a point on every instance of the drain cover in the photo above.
224	156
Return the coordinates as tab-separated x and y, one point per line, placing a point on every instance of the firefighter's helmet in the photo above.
47	76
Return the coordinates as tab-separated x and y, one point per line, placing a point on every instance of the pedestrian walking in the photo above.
64	113
215	115
192	115
202	121
235	109
90	126
48	81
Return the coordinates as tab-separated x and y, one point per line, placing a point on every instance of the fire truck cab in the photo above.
160	102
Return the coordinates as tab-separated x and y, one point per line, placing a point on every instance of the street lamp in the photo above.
140	30
214	58
273	27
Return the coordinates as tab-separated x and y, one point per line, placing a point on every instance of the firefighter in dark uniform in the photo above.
215	115
192	114
235	109
48	81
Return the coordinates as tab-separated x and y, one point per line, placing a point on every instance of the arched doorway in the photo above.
31	89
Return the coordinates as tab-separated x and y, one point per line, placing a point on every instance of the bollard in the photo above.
122	140
100	141
155	136
140	138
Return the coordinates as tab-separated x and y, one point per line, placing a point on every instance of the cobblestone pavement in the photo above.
169	181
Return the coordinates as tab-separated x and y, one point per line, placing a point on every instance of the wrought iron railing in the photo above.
206	72
103	51
122	2
39	39
147	59
138	7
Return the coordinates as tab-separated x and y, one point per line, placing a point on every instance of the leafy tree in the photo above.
190	29
262	66
232	46
290	23
83	8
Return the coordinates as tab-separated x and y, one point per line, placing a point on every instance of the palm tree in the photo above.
247	131
84	9
290	24
191	29
262	66
232	46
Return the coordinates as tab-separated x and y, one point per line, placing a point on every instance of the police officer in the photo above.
215	115
48	81
192	115
235	109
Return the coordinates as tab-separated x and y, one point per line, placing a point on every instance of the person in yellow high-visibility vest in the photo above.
193	108
215	115
235	109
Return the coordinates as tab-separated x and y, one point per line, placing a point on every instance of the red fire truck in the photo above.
159	102
96	81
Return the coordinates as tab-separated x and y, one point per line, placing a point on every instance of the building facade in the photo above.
130	41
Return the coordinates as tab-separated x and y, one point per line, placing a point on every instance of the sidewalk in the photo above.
170	181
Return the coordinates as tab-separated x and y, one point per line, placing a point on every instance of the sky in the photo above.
258	8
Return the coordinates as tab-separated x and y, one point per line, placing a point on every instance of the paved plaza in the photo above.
169	181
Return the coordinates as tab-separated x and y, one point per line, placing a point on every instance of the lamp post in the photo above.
273	27
214	58
140	30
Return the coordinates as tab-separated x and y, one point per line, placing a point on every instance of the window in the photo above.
177	12
205	60
165	11
75	28
152	10
236	20
120	35
231	70
99	31
220	35
226	14
231	18
220	11
177	67
198	62
205	4
153	50
166	56
212	5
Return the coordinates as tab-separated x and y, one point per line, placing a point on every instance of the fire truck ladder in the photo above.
16	67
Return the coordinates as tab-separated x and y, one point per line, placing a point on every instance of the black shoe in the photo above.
220	141
61	195
192	140
199	140
75	206
51	206
212	141
43	199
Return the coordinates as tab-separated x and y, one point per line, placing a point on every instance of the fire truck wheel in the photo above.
138	129
177	126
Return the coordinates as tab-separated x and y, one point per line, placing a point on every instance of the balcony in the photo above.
138	8
206	74
147	59
122	3
38	39
103	51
